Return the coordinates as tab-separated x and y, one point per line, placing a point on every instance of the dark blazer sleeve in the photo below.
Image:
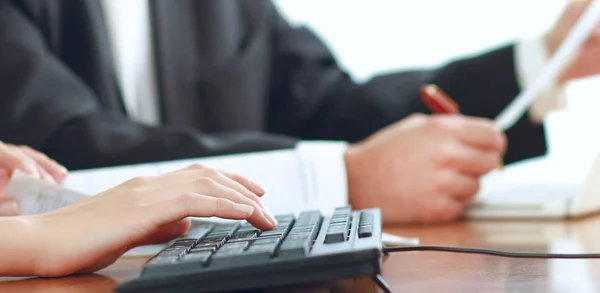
322	101
44	105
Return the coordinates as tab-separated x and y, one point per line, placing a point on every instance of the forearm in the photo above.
18	247
482	85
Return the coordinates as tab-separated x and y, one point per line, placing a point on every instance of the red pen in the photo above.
439	102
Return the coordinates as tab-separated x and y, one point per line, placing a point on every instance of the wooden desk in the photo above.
434	271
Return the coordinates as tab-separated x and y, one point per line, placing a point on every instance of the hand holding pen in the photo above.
438	101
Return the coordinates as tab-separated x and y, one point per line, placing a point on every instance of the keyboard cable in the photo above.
494	252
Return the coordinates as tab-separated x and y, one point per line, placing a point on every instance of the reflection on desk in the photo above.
429	271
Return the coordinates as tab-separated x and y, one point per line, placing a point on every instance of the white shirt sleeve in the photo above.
530	59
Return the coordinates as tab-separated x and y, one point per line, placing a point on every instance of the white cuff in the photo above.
324	171
530	59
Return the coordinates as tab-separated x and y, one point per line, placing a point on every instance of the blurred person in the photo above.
97	83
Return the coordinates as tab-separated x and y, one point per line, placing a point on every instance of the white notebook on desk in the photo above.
540	188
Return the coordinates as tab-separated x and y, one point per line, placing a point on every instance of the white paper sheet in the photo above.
277	171
36	196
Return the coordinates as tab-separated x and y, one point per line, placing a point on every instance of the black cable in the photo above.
490	252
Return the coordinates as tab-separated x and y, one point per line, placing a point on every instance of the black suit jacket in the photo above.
233	77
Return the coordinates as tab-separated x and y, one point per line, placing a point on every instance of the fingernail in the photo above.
257	188
246	209
270	217
63	170
9	209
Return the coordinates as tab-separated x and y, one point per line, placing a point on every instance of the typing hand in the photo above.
587	62
30	162
92	234
423	169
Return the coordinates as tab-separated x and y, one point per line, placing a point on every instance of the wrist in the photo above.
19	247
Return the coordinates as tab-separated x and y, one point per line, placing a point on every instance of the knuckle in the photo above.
138	182
221	204
205	182
442	184
185	199
237	196
446	156
210	172
24	148
418	117
254	197
472	188
195	166
438	122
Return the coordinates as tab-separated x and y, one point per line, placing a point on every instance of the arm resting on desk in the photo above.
19	247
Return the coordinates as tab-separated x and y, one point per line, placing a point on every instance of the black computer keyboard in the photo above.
237	256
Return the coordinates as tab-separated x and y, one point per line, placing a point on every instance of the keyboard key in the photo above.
202	249
295	246
172	250
160	261
284	218
265	241
335	237
187	244
257	253
195	233
366	231
207	245
344	211
226	254
268	249
200	257
244	235
226	227
219	235
219	240
336	234
302	230
238	246
339	226
270	233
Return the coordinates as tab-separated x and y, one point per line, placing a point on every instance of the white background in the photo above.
374	36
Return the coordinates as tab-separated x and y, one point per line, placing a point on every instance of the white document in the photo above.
561	59
533	180
277	171
36	196
545	187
